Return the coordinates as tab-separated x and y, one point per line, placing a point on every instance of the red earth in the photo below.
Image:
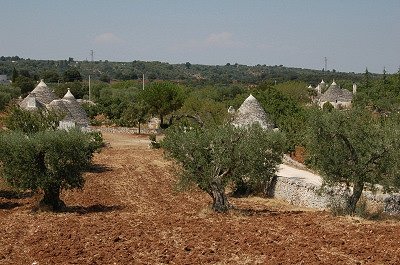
130	213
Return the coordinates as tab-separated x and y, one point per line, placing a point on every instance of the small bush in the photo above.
328	106
153	141
363	209
29	122
338	206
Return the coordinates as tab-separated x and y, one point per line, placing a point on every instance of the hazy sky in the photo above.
351	34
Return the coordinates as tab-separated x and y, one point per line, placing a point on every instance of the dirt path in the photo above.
128	213
300	174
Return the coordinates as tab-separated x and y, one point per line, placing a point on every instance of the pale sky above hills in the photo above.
351	34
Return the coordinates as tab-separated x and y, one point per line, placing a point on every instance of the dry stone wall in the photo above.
302	193
126	130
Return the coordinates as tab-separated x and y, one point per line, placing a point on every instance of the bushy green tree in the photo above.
78	89
213	157
287	114
134	114
163	98
197	111
295	90
72	74
50	76
328	106
353	147
7	93
25	84
46	161
379	94
5	98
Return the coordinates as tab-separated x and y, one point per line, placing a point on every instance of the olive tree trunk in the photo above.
217	193
51	199
355	196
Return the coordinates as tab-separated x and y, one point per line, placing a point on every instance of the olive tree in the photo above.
356	148
46	161
214	157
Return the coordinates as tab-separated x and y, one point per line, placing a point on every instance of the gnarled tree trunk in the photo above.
51	199
355	196
217	192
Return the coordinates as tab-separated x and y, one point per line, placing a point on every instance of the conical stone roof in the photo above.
251	112
31	102
75	109
335	93
69	95
60	107
43	97
43	93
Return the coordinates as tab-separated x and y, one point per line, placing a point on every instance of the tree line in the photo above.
53	70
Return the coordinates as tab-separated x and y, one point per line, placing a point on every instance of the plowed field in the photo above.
129	213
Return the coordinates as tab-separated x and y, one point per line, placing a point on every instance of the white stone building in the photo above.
340	98
43	98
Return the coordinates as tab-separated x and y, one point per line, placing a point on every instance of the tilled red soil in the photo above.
129	213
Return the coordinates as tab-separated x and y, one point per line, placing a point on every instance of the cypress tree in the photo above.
14	75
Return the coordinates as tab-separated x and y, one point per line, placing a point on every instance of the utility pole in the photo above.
326	64
143	82
90	94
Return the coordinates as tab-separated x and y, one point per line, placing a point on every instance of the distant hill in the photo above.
185	72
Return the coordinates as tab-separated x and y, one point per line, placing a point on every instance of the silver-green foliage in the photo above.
48	161
354	147
217	156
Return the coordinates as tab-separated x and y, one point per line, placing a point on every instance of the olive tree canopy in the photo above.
355	147
214	157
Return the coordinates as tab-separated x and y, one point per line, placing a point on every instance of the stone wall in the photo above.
126	130
302	193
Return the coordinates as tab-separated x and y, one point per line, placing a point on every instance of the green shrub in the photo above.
153	141
328	106
25	121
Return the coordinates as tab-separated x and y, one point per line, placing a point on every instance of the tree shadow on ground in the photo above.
13	194
97	208
99	168
9	205
263	212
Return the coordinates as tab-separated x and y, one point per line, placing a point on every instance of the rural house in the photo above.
340	98
43	98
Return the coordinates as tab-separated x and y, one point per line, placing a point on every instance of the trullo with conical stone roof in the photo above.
43	98
251	112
